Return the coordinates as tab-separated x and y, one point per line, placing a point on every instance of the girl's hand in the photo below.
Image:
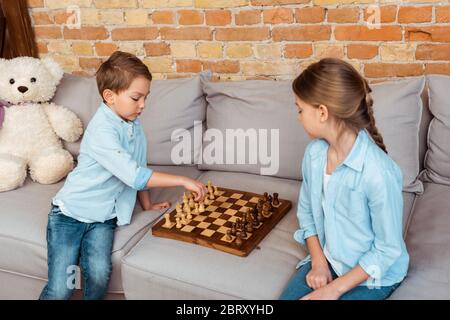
199	189
160	205
319	276
328	292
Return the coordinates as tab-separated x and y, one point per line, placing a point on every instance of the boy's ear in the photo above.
108	96
323	113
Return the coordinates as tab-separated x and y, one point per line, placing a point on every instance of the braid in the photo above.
372	128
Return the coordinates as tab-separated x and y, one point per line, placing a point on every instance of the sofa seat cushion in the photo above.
160	268
427	243
24	211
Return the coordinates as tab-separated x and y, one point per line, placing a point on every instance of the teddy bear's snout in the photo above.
22	89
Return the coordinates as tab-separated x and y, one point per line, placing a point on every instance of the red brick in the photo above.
435	34
48	32
433	52
443	14
437	68
144	33
343	15
310	15
90	63
363	33
163	17
218	17
105	49
42	47
248	17
189	66
361	51
387	14
303	33
243	34
414	14
187	33
86	33
278	15
300	51
276	2
227	66
41	18
380	70
190	17
157	49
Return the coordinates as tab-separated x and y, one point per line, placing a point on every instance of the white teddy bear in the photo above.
30	126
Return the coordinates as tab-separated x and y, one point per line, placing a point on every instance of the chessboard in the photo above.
229	220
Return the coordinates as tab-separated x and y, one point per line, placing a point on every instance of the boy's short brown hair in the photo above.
118	72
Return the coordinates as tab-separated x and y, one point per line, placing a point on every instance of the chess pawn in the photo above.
179	225
238	239
266	210
216	191
178	209
229	237
266	196
275	201
167	224
201	208
189	216
196	209
211	194
192	203
183	219
250	227
243	233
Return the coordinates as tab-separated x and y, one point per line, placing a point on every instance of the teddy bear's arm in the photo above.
65	123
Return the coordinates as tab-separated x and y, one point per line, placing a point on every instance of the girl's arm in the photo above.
320	274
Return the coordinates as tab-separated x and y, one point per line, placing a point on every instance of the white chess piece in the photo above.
216	191
167	224
192	203
201	209
196	209
179	225
183	219
178	209
189	216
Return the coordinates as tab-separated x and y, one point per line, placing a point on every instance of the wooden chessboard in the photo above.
209	228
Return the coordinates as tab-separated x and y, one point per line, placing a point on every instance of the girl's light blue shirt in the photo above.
112	167
364	210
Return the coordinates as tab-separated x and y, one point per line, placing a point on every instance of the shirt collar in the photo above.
355	159
357	155
114	116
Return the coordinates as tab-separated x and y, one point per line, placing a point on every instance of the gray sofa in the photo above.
412	114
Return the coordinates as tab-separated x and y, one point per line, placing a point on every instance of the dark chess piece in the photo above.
269	199
233	229
266	212
259	205
250	227
238	240
243	232
265	197
229	238
275	201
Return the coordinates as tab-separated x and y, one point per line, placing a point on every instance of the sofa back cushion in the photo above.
437	158
260	104
172	105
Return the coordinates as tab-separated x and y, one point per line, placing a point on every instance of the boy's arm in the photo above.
146	203
159	179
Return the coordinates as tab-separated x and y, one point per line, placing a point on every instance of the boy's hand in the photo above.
160	205
328	292
198	189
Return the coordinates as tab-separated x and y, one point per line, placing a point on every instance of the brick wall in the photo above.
247	39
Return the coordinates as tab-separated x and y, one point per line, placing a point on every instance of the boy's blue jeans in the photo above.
71	242
298	288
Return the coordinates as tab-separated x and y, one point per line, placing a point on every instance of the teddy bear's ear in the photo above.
54	68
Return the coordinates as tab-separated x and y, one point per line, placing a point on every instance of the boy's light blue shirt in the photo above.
364	210
112	166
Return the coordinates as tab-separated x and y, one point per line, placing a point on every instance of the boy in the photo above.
100	192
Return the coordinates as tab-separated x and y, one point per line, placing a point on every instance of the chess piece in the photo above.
188	210
196	209
243	233
191	203
266	212
211	195
269	198
207	201
201	208
259	205
186	207
178	209
229	237
216	191
233	229
167	224
238	239
265	197
259	217
179	225
183	219
185	198
275	201
250	227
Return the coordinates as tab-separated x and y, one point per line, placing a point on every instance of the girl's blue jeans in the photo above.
297	288
71	242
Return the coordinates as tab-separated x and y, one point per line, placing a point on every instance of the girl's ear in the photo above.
323	113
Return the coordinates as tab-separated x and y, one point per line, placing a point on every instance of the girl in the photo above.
350	205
